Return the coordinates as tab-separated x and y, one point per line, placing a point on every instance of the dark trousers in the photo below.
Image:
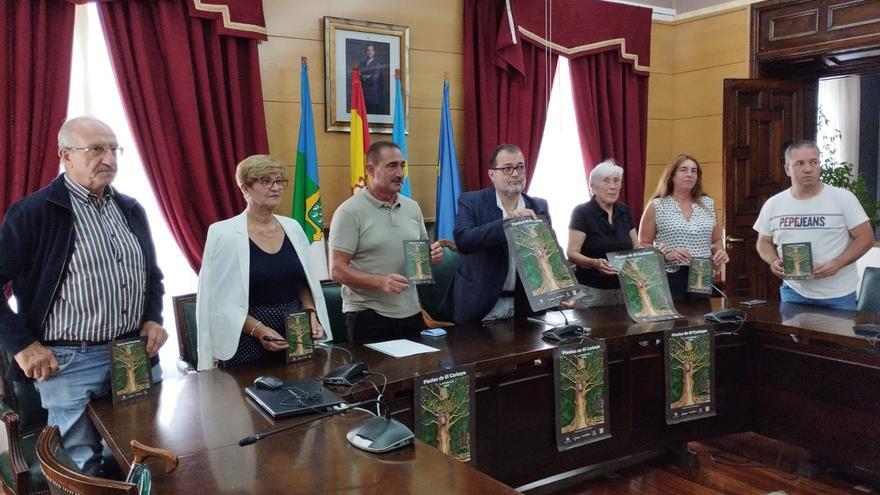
678	286
369	326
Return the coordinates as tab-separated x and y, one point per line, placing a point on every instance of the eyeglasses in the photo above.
520	169
99	150
270	183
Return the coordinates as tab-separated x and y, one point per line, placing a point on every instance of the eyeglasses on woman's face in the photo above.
268	183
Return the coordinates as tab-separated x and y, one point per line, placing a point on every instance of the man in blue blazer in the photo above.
486	286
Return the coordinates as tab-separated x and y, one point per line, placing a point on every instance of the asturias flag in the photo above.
360	133
306	191
448	184
398	135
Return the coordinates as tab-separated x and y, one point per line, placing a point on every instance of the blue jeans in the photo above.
788	295
83	373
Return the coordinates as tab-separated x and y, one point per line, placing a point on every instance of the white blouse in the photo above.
674	231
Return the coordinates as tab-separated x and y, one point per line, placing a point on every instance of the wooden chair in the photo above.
63	479
187	340
23	416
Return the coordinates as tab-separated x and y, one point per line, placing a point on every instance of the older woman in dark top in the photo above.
255	270
598	227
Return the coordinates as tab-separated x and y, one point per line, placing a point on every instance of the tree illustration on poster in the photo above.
419	260
445	417
299	330
797	260
690	370
131	370
700	272
645	286
582	382
542	261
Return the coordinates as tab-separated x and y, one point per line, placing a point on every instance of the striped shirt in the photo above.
104	288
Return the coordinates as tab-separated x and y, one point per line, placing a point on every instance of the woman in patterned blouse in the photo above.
680	221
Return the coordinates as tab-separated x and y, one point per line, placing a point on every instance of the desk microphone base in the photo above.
380	434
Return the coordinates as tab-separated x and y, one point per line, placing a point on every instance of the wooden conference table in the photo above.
796	373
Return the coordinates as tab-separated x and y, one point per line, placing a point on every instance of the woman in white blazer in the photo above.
255	270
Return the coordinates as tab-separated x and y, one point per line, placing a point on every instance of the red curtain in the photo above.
507	87
611	106
507	83
36	48
194	101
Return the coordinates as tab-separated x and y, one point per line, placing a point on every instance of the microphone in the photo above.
251	439
565	331
726	315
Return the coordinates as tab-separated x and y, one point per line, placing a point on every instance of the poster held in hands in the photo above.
644	284
540	263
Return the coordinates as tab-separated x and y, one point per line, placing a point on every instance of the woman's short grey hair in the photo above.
605	169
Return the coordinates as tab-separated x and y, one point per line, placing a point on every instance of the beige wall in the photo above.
295	29
689	61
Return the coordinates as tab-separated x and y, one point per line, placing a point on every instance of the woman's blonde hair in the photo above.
255	167
665	186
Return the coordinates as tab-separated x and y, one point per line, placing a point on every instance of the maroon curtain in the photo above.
194	101
611	106
36	48
506	86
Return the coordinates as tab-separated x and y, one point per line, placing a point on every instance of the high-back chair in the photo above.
187	343
23	416
869	299
434	296
65	479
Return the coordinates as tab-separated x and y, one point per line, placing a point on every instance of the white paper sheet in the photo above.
401	347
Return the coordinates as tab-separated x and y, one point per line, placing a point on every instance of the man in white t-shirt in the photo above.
828	217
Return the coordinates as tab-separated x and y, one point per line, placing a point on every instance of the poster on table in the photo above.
581	388
690	374
644	285
543	270
444	411
130	372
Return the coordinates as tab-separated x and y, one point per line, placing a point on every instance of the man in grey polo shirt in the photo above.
366	251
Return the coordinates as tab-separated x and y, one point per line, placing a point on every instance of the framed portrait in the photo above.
377	50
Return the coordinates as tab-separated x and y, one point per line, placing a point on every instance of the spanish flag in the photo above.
360	133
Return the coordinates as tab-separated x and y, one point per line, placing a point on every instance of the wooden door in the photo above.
760	118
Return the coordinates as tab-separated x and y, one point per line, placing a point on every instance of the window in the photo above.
93	91
559	172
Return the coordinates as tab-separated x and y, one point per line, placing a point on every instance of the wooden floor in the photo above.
741	464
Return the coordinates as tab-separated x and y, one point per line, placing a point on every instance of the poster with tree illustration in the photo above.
129	369
581	377
540	263
700	276
417	255
299	336
444	411
644	285
690	374
797	260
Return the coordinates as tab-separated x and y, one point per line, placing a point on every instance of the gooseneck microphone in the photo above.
251	439
726	299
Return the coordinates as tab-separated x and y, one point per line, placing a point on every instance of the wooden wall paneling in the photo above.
652	177
661	147
280	69
713	177
699	93
660	90
295	18
712	41
699	136
426	79
662	48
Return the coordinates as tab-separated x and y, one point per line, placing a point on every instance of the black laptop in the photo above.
300	396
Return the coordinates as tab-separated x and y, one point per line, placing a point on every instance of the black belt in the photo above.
75	343
508	293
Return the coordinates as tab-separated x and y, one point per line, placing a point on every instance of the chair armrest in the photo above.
185	368
16	458
142	452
